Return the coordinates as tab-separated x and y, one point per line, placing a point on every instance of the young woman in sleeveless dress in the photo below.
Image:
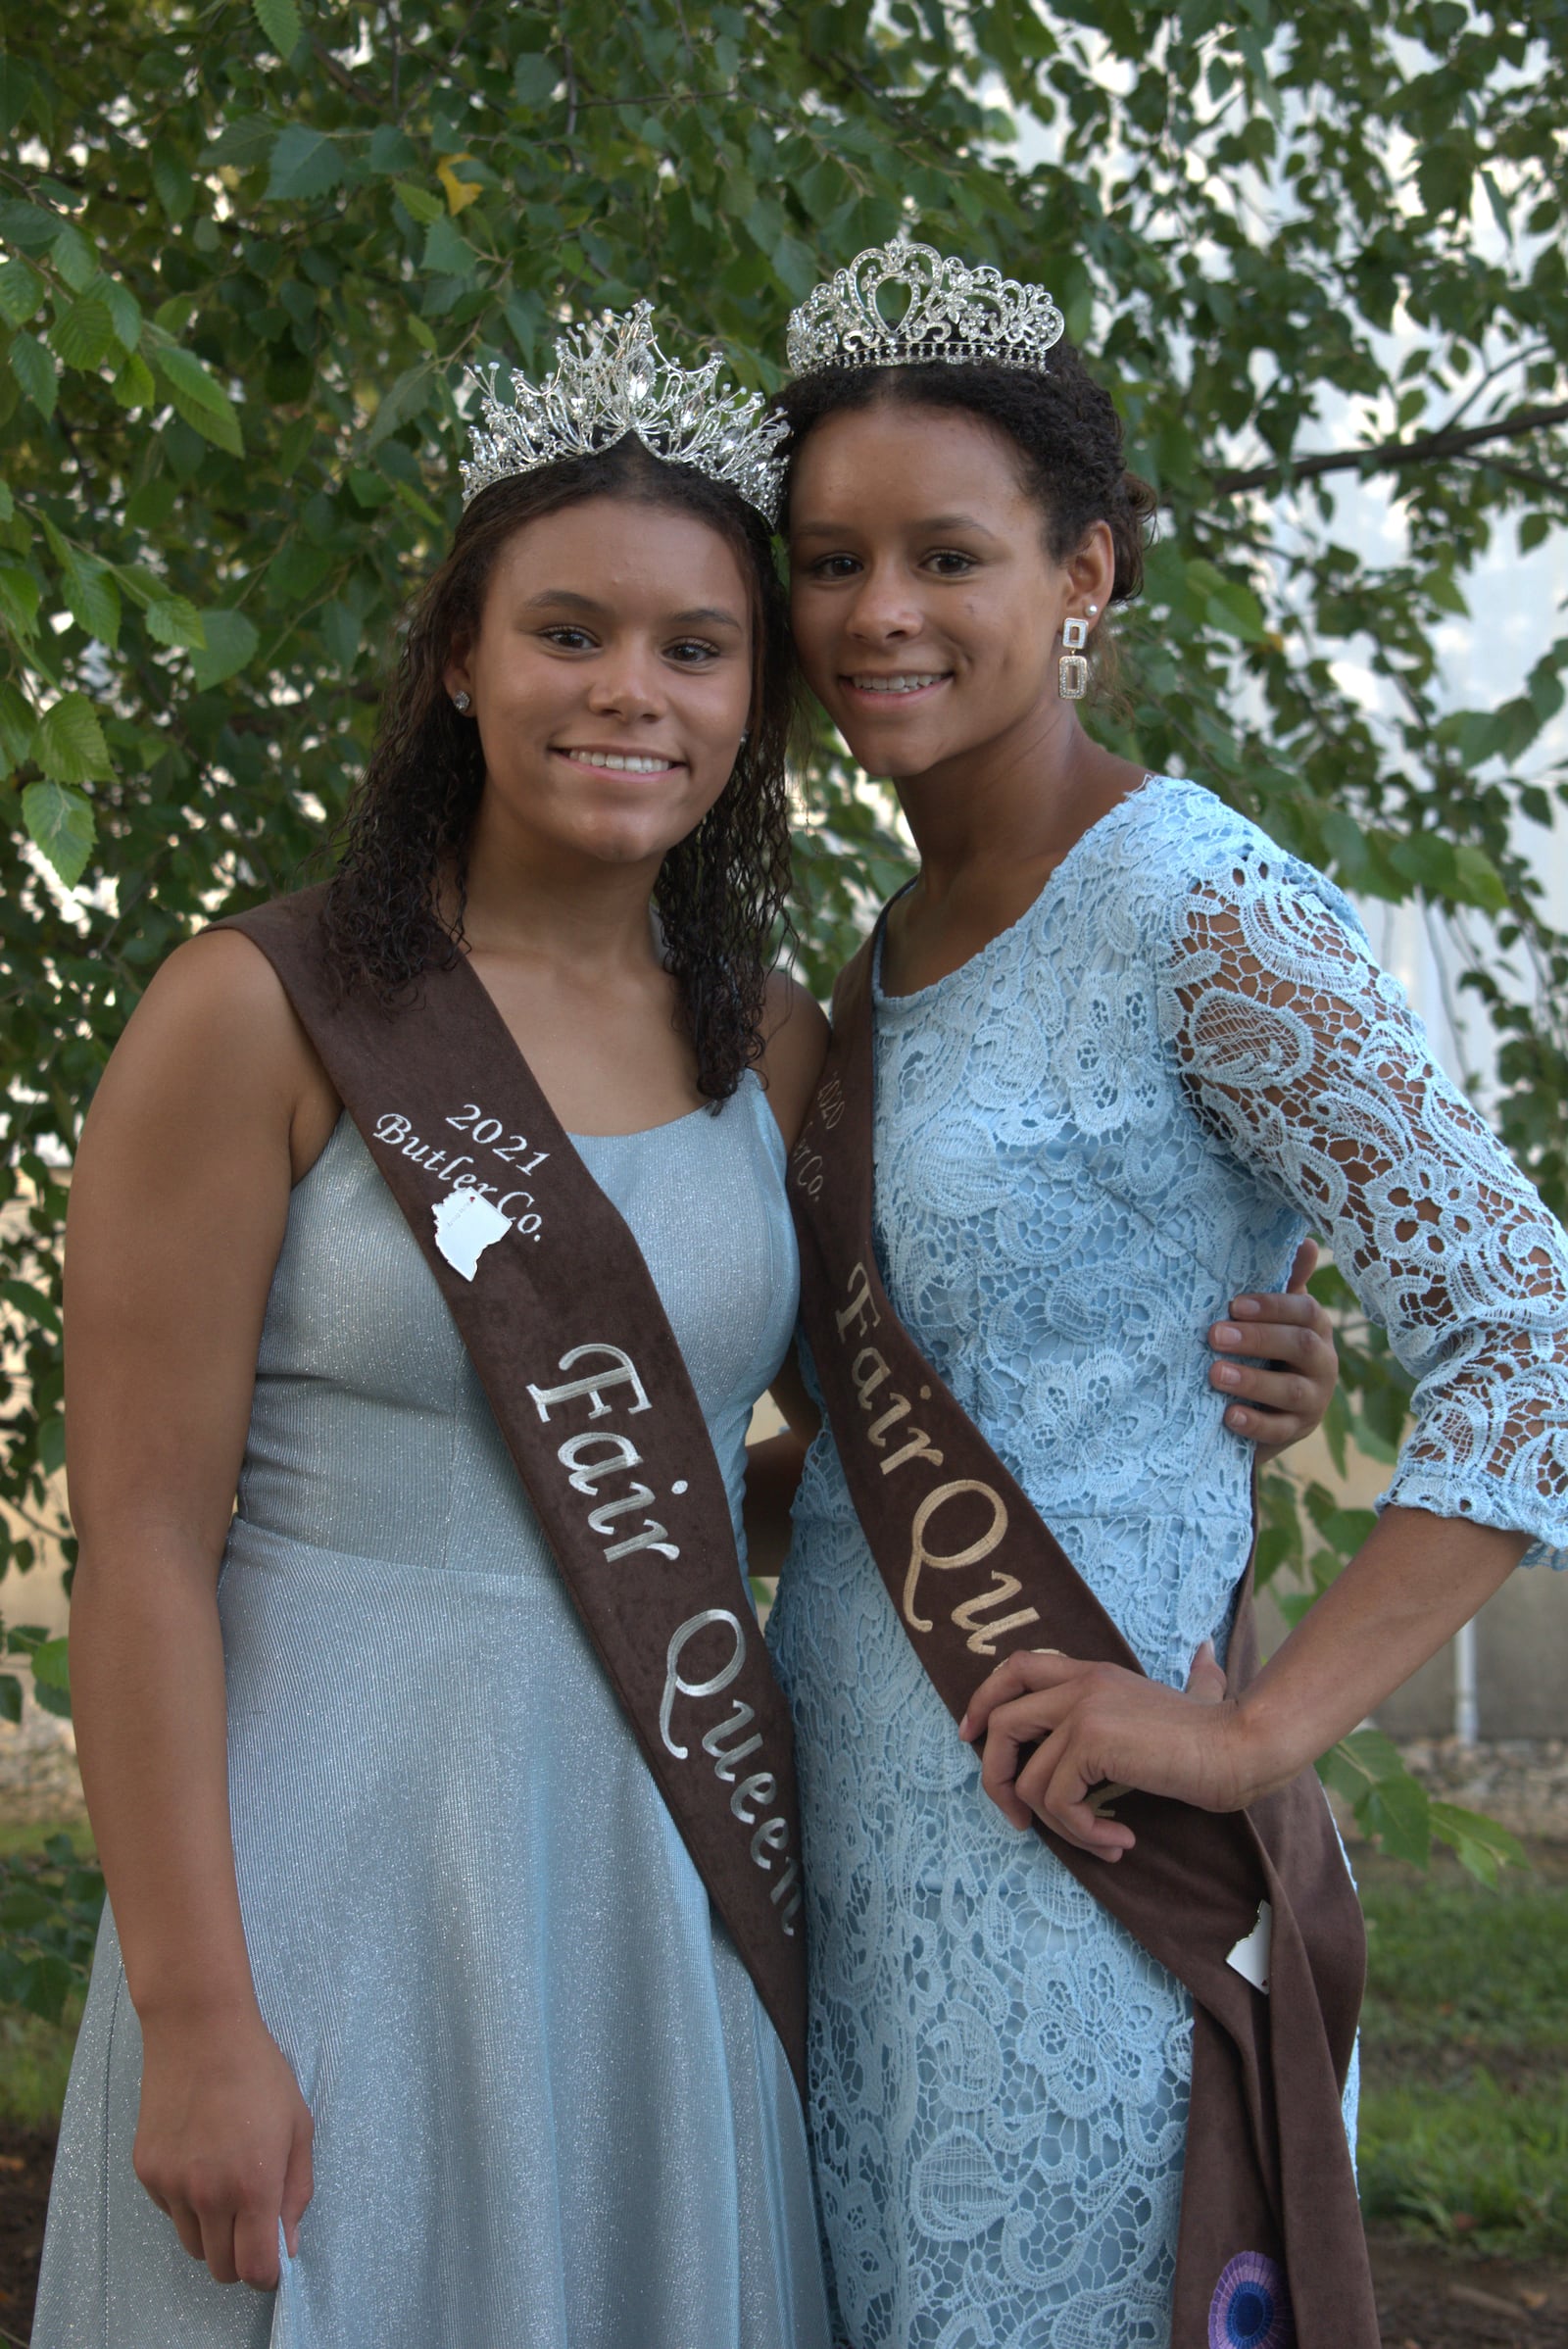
404	1949
1126	1051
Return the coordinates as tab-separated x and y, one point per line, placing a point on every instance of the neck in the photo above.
1016	803
534	902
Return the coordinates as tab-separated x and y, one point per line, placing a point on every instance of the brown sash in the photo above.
562	1321
1270	2219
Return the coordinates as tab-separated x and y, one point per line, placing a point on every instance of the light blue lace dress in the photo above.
1121	1112
550	2110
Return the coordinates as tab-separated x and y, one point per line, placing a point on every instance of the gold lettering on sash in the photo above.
860	1304
919	1447
921	1557
622	1372
897	1410
982	1637
866	1382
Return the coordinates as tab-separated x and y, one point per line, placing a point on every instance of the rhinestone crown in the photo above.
970	317
611	378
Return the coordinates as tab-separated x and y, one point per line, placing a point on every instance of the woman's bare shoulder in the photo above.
795	1035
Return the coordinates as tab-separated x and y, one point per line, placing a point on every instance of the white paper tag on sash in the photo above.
466	1224
1249	1957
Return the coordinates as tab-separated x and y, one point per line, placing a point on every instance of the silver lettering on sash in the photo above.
637	1498
769	1835
727	1763
921	1557
622	1372
674	1685
651	1536
585	1472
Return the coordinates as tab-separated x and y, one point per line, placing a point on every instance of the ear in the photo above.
1090	568
455	676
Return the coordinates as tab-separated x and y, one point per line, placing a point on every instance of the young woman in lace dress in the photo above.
1127	1052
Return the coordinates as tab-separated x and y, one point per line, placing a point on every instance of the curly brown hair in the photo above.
720	891
1063	425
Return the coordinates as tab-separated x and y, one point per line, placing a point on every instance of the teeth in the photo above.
905	684
620	765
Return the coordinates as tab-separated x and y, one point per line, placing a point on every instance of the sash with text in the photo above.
560	1318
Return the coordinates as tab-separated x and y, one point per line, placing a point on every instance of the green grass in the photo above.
1464	2108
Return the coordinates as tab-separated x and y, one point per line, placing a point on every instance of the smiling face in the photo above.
611	681
927	610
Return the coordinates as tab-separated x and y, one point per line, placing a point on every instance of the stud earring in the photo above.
461	704
1072	670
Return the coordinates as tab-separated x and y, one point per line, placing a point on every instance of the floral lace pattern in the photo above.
1122	1111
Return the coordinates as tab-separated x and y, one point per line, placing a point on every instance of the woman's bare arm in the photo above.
179	1199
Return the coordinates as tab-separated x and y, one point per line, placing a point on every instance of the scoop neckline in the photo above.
914	995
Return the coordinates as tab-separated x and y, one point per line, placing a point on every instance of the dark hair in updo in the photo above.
396	900
1062	424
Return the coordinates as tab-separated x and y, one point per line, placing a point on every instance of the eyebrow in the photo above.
931	522
701	615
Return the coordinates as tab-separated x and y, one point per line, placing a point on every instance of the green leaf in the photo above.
81	334
59	823
303	163
197	396
407	398
134	386
32	1304
74	257
70	742
10	1697
279	20
232	642
173	620
418	203
1398	1812
28	226
1480	882
1482	1845
173	181
91	597
535	79
36	373
22	291
20	598
447	251
17	720
51	1663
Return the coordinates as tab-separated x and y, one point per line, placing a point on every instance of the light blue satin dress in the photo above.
550	2110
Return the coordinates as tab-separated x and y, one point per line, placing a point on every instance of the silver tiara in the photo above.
968	317
613	378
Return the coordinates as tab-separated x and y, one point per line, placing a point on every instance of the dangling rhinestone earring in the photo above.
461	704
1072	670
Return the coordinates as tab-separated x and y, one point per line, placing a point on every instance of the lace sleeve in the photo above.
1303	1058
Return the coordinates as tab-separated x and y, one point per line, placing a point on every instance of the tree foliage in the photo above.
248	249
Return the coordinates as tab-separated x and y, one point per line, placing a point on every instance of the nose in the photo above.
626	682
883	609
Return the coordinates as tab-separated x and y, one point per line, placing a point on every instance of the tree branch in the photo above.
1388	456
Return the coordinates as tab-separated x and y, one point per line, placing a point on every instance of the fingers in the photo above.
1206	1683
1302	1269
299	2185
1012	1730
256	2247
1029	1668
1056	1787
1302	1339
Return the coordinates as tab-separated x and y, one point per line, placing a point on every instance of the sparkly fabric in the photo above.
1107	1123
549	2107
